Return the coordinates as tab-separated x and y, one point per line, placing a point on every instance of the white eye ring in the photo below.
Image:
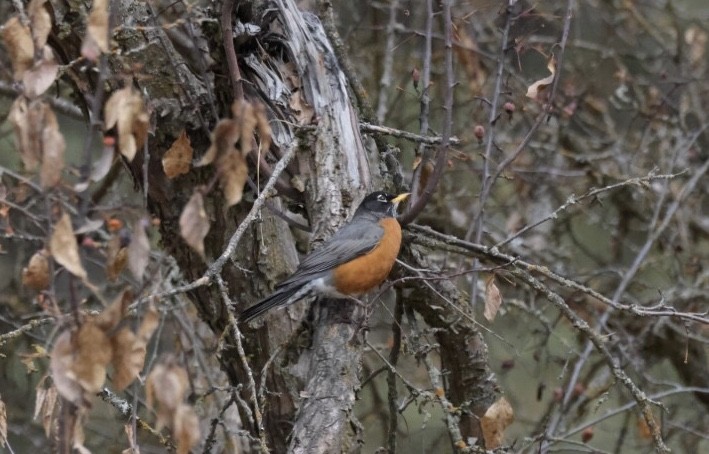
381	198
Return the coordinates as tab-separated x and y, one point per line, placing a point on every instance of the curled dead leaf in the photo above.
185	428
78	363
129	350
112	315
19	45
26	119
125	110
36	274
534	89
96	40
41	75
45	402
234	139
233	172
138	250
194	224
165	389
178	159
40	22
116	257
38	138
226	133
65	249
3	424
493	424
493	299
53	146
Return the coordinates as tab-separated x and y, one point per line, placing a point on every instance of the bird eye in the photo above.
381	198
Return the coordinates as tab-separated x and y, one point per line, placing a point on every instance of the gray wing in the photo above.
348	243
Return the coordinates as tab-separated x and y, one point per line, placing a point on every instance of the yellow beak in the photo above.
399	198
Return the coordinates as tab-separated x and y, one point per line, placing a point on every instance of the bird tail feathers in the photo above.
281	297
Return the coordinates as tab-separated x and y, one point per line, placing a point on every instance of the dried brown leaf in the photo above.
92	353
138	250
45	402
112	315
40	22
53	146
538	86
129	350
178	159
493	424
64	248
150	322
233	172
36	274
165	389
194	224
185	428
60	366
245	115
128	358
26	120
3	424
19	46
116	257
96	40
493	299
42	75
125	110
224	137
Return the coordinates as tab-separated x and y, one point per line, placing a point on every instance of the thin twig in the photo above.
442	154
423	139
421	151
236	333
388	64
228	36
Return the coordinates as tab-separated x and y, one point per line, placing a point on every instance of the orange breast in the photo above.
366	272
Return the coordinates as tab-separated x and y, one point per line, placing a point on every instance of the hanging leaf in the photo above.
19	45
125	110
42	75
40	22
53	146
493	424
493	299
233	172
116	257
36	275
78	363
194	224
129	350
178	159
138	250
538	86
96	39
185	428
165	389
64	248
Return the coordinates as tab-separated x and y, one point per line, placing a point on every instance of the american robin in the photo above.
357	258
